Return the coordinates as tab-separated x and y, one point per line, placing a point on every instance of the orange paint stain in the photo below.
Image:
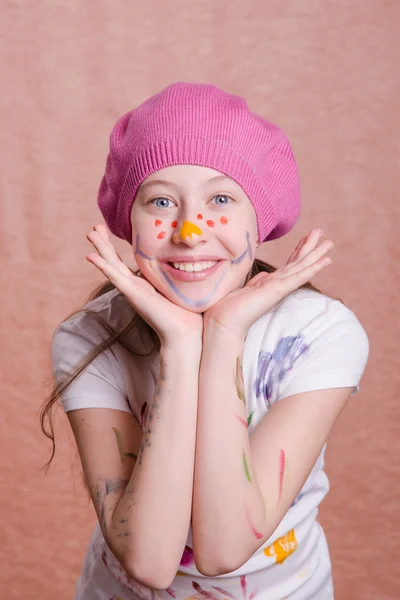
157	222
199	216
188	229
283	547
174	224
210	223
223	220
162	235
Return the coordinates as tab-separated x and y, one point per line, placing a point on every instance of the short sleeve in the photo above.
335	354
101	383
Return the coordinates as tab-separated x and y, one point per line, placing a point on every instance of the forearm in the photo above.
153	516
228	509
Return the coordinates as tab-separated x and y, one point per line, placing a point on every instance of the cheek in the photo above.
151	232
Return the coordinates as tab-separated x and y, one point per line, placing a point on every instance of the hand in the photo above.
240	309
169	321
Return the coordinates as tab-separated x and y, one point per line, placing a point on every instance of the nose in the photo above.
188	233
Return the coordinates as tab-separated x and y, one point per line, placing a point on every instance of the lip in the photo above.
186	258
196	275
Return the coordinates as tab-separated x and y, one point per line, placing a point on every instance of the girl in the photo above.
201	389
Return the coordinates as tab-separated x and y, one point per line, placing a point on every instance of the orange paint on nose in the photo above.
199	216
174	224
210	223
157	222
223	220
188	229
162	235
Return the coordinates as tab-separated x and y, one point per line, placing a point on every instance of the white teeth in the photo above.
194	267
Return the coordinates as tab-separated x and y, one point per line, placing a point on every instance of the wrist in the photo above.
185	349
214	334
220	340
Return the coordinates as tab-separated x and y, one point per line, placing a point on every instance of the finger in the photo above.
103	231
107	251
312	240
125	284
296	251
280	287
305	245
308	259
287	285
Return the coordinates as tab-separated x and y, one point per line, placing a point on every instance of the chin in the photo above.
195	305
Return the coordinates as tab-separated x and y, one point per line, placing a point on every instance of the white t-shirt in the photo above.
308	342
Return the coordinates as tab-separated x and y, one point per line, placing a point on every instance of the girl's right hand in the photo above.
171	322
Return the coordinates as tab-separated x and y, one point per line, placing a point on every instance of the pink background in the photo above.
328	74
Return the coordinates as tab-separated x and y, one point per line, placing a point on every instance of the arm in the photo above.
144	511
244	485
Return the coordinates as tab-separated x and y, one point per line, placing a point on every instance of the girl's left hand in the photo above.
240	309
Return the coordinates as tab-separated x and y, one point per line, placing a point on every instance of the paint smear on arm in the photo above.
246	467
242	421
122	452
282	465
256	533
239	380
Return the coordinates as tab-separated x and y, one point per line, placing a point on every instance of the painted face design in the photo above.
187	229
193	237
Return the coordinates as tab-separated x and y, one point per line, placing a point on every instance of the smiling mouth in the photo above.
188	271
193	267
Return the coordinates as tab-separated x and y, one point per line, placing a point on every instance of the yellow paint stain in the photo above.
188	229
306	572
180	574
283	547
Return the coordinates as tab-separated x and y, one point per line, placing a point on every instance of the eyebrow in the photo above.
215	179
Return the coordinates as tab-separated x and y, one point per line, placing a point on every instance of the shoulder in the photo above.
89	317
309	314
98	375
81	332
96	320
309	341
92	325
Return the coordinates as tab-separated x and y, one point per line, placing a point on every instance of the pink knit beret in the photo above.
199	124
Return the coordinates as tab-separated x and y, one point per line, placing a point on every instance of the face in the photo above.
194	233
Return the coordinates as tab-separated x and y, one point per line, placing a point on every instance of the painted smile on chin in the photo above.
189	301
170	273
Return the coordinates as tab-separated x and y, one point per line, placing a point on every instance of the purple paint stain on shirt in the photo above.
187	557
298	497
272	367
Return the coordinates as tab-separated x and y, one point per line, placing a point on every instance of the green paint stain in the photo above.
240	381
246	468
122	452
249	418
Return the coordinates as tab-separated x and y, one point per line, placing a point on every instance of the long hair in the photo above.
117	336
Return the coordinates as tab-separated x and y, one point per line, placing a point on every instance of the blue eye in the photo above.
163	200
222	203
